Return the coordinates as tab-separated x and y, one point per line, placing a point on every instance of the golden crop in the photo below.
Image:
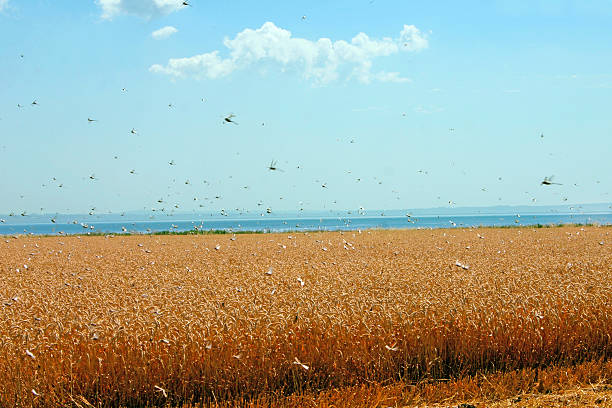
152	320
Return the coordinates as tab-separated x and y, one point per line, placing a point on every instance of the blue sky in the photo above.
401	105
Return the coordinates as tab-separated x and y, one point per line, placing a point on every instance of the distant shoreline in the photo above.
290	231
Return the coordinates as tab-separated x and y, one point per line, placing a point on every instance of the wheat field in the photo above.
293	319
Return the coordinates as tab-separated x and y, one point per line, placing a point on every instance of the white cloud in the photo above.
391	77
141	8
3	4
320	61
428	110
163	33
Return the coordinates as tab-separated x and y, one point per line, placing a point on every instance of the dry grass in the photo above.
154	320
556	388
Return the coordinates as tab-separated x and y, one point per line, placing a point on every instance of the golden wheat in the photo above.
154	320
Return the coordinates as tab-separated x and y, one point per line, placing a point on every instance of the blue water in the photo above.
306	224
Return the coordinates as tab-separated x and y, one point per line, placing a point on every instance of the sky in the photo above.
361	104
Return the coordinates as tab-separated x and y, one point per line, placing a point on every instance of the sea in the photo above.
285	224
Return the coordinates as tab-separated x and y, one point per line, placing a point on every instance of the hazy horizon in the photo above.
229	214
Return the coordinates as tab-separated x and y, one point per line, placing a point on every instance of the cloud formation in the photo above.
141	8
163	33
3	4
428	110
320	61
